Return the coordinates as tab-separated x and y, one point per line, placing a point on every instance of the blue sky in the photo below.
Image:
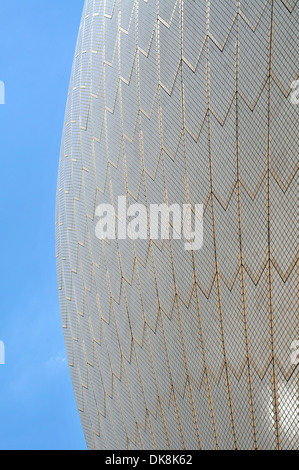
37	404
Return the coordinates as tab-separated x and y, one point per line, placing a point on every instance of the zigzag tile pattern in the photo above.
186	102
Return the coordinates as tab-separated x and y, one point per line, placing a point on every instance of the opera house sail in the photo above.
182	105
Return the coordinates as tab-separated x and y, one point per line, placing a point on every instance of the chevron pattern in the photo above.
182	101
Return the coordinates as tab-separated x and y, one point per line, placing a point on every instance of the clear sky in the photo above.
37	404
